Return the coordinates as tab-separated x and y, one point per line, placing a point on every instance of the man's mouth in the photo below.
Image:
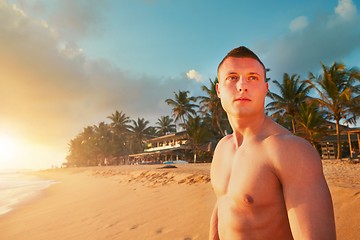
242	99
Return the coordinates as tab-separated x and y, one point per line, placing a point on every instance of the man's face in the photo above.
242	87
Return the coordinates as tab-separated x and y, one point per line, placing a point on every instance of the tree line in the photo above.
305	107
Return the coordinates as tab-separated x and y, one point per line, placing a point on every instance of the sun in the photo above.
8	147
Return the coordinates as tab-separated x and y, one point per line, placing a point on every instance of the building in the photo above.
350	141
164	148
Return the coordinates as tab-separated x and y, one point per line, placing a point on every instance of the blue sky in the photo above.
67	64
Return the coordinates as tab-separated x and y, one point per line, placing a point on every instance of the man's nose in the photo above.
241	84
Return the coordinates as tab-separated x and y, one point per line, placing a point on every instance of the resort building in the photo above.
350	143
169	147
175	146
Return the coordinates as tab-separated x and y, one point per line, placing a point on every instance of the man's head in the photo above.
242	52
241	85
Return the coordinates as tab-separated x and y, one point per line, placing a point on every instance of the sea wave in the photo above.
17	186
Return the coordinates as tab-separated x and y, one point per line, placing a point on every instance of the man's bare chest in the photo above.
246	176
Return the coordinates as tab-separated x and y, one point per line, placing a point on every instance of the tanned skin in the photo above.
268	182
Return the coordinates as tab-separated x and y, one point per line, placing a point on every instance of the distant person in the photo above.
354	153
269	183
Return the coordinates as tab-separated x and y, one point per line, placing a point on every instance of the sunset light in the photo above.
16	153
160	119
7	147
66	65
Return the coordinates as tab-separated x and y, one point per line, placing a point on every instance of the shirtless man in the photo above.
269	183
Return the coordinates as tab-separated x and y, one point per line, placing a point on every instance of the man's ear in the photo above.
267	86
217	90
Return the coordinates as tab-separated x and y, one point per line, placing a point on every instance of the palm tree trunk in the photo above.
338	139
183	121
219	127
293	125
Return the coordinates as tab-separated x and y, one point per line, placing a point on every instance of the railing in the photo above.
166	147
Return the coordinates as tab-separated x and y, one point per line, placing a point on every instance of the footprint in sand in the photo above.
134	227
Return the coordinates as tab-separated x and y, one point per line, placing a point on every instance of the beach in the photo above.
148	202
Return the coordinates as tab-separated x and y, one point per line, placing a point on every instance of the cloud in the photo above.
346	9
325	39
298	23
194	75
71	50
50	89
72	19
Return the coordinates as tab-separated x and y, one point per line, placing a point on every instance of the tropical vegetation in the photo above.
306	107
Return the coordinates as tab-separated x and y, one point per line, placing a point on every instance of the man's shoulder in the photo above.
280	137
223	146
225	140
290	150
290	142
281	144
284	139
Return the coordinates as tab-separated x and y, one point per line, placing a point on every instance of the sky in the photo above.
68	64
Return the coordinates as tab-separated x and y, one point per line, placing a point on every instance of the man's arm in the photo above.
306	193
214	234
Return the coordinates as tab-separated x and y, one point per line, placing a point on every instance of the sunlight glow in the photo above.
8	147
17	152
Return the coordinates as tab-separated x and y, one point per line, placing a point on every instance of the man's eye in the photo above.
232	78
253	78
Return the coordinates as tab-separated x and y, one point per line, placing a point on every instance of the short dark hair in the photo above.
242	52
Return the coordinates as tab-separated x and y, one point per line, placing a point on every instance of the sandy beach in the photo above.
146	202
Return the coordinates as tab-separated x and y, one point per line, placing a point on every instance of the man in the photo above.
269	183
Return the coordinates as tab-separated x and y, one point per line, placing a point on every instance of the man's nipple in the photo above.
248	199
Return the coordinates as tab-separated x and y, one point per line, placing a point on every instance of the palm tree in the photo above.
211	105
286	103
198	133
88	145
120	130
165	125
82	149
75	157
338	95
103	141
120	122
311	119
140	132
152	132
182	106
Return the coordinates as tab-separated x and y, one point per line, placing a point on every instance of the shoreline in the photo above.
147	202
17	187
115	203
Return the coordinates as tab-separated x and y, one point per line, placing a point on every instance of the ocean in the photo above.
17	186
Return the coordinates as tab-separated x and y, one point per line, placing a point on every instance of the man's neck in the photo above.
246	127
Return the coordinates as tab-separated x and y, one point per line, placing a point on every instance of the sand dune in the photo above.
145	202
